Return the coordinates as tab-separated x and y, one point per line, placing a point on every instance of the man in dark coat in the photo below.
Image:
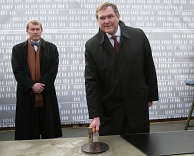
35	68
120	87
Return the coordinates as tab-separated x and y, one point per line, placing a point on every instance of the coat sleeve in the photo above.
149	71
92	84
20	68
49	66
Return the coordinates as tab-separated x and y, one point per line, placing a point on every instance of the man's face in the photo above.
108	20
34	32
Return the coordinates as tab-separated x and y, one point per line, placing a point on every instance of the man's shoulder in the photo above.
94	40
129	28
134	29
19	45
47	43
132	32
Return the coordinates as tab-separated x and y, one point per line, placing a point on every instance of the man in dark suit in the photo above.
35	65
120	81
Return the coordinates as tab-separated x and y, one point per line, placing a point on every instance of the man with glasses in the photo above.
35	65
120	76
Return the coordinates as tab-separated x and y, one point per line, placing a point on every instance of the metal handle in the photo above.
90	134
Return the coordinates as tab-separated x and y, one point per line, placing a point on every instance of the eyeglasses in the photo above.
103	18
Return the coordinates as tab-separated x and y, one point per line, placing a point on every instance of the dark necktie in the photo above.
116	44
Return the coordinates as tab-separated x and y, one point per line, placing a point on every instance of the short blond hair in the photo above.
104	6
35	22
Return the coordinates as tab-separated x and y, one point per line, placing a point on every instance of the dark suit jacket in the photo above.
29	124
118	87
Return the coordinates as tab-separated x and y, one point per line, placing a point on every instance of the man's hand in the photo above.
95	124
38	87
149	104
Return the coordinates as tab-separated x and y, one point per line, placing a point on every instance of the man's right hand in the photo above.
38	87
95	124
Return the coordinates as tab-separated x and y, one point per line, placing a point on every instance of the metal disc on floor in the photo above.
94	147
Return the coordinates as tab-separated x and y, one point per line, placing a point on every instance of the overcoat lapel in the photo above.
109	48
25	58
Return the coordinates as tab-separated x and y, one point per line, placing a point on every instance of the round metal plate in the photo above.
94	147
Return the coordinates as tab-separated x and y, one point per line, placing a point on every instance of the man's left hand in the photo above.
149	104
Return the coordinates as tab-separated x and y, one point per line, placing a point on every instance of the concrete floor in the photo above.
8	135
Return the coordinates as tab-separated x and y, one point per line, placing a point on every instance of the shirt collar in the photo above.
35	41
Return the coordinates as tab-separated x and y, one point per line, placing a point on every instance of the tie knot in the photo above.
114	38
35	43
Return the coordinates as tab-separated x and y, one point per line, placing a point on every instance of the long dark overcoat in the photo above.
118	87
30	121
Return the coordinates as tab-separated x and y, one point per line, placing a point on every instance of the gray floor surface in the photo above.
8	135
